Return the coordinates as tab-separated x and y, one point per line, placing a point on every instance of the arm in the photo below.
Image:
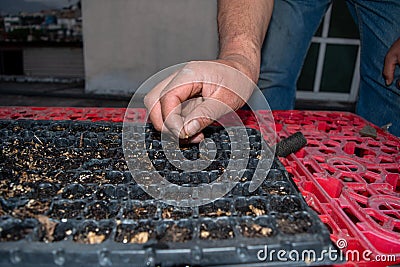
242	25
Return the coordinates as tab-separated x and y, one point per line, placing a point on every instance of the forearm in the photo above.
242	25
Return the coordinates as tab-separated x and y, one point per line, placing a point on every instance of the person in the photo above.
275	62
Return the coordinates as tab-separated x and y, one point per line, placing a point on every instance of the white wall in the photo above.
127	41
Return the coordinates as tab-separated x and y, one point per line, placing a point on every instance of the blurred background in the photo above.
98	52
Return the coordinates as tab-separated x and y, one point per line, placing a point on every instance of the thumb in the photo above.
204	114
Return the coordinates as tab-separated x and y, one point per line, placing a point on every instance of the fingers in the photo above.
171	107
152	102
204	114
391	60
390	65
156	118
190	105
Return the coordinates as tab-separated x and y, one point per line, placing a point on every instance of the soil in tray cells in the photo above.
192	152
63	231
175	233
14	230
294	224
57	171
176	213
218	208
137	193
285	204
107	192
99	210
92	233
77	191
136	212
138	234
253	207
255	230
216	230
279	188
67	210
31	209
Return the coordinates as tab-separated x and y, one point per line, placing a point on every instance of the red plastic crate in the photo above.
57	113
351	181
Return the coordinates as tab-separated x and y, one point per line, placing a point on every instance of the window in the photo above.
331	68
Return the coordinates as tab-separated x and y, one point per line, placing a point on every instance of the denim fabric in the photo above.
289	36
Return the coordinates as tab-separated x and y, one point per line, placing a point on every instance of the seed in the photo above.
204	234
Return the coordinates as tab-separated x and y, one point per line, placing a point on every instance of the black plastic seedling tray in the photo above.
68	199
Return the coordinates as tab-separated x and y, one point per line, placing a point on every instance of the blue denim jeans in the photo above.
289	36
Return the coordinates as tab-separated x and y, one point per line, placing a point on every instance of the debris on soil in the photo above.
94	238
140	238
175	213
256	230
49	227
213	231
93	233
219	213
138	234
31	209
204	234
368	131
256	211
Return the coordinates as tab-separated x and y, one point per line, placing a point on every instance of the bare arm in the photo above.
242	25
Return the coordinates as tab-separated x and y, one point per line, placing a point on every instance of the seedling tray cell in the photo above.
68	199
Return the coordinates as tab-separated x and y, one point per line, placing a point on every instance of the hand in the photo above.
391	60
213	88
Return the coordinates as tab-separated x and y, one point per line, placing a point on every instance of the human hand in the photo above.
193	97
391	60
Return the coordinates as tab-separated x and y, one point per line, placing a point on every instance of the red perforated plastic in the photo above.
56	113
351	181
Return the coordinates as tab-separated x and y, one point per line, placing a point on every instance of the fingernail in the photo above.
192	127
387	82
